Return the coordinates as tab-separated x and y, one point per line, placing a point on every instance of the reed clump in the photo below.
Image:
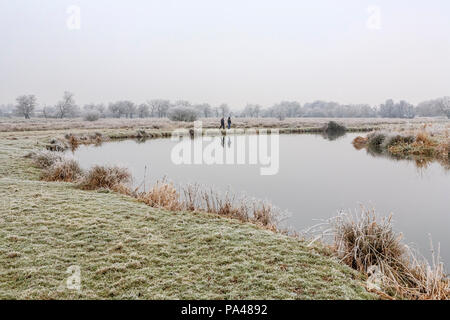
194	197
162	195
367	243
66	170
105	177
56	166
334	127
360	142
45	158
74	141
231	205
422	144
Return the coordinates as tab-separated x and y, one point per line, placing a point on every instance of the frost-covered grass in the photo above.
36	124
126	249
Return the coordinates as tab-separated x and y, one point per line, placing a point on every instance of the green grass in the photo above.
127	250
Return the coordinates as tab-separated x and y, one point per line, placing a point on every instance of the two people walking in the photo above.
222	123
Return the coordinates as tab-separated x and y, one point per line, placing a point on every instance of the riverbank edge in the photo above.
20	169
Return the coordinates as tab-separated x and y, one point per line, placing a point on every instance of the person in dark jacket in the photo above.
229	122
222	123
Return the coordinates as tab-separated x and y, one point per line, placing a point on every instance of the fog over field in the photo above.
224	150
232	52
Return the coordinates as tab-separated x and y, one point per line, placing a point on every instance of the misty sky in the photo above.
225	51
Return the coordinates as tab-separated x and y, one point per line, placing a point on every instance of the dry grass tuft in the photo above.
73	142
363	241
367	243
194	197
228	204
66	170
56	166
424	138
104	177
44	159
13	254
422	146
162	195
360	142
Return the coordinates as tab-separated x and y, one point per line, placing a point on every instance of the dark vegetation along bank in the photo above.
419	146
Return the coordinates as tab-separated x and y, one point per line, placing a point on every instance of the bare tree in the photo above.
48	112
183	113
152	108
401	109
92	107
143	110
25	105
159	107
444	106
66	107
114	109
207	110
129	108
224	109
124	107
252	110
182	103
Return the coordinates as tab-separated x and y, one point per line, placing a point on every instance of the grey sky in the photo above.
225	51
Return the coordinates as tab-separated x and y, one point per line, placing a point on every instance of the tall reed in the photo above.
366	241
194	197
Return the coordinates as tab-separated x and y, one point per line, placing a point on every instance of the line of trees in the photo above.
27	106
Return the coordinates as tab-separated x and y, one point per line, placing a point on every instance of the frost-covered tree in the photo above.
67	106
444	106
183	113
402	109
123	107
224	110
252	110
429	108
387	109
405	110
143	110
159	107
285	109
92	107
204	110
114	109
26	105
320	109
182	103
129	108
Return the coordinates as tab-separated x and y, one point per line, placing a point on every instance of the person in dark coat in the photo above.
229	122
222	123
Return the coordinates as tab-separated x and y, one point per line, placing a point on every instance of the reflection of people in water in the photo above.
222	123
223	141
229	122
229	142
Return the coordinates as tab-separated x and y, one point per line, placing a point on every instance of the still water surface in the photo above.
317	177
